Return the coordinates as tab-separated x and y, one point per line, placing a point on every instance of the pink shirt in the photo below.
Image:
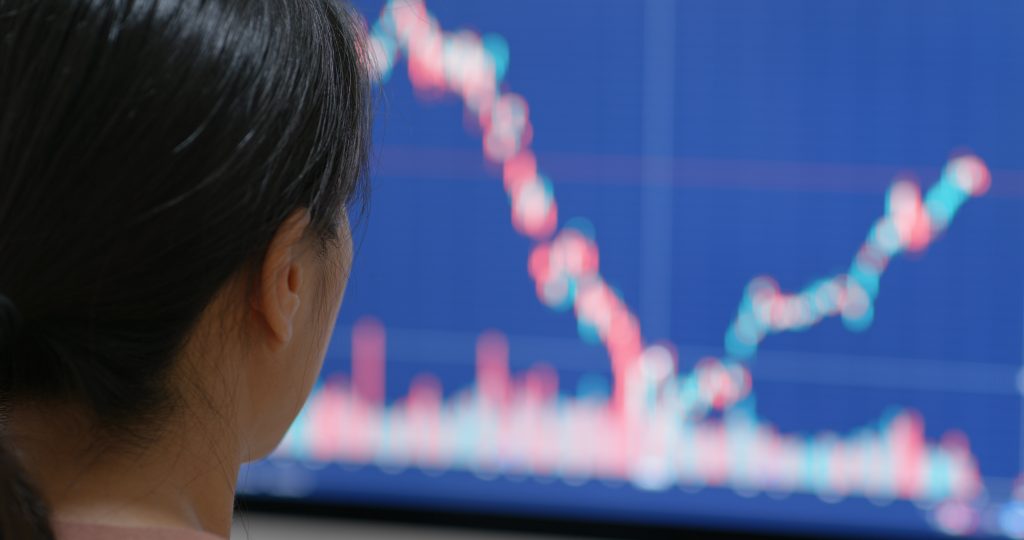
87	531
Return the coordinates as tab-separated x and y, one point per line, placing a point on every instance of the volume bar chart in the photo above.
518	424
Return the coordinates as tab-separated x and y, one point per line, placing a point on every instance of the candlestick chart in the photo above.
782	339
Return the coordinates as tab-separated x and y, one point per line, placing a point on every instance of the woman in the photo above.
176	178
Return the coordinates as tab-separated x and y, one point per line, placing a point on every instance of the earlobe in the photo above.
280	280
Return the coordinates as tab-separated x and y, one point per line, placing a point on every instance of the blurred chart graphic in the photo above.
603	295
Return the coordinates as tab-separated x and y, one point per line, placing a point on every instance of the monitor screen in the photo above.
756	264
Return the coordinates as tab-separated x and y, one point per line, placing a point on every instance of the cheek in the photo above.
294	378
334	282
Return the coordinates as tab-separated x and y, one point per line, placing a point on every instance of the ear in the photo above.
277	297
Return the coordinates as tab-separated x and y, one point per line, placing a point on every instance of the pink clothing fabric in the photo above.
89	531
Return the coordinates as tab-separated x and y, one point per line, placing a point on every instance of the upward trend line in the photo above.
565	266
909	224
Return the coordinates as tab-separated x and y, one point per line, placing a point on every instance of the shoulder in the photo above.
88	531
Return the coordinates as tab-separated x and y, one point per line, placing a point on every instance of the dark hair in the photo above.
149	151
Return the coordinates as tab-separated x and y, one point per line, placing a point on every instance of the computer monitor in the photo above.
696	263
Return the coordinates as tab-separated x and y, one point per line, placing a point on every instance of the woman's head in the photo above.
176	178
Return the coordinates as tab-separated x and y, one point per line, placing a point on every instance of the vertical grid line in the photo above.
658	133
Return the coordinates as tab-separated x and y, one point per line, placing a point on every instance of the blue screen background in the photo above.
784	122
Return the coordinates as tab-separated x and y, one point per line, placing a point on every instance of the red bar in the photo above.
369	342
492	368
